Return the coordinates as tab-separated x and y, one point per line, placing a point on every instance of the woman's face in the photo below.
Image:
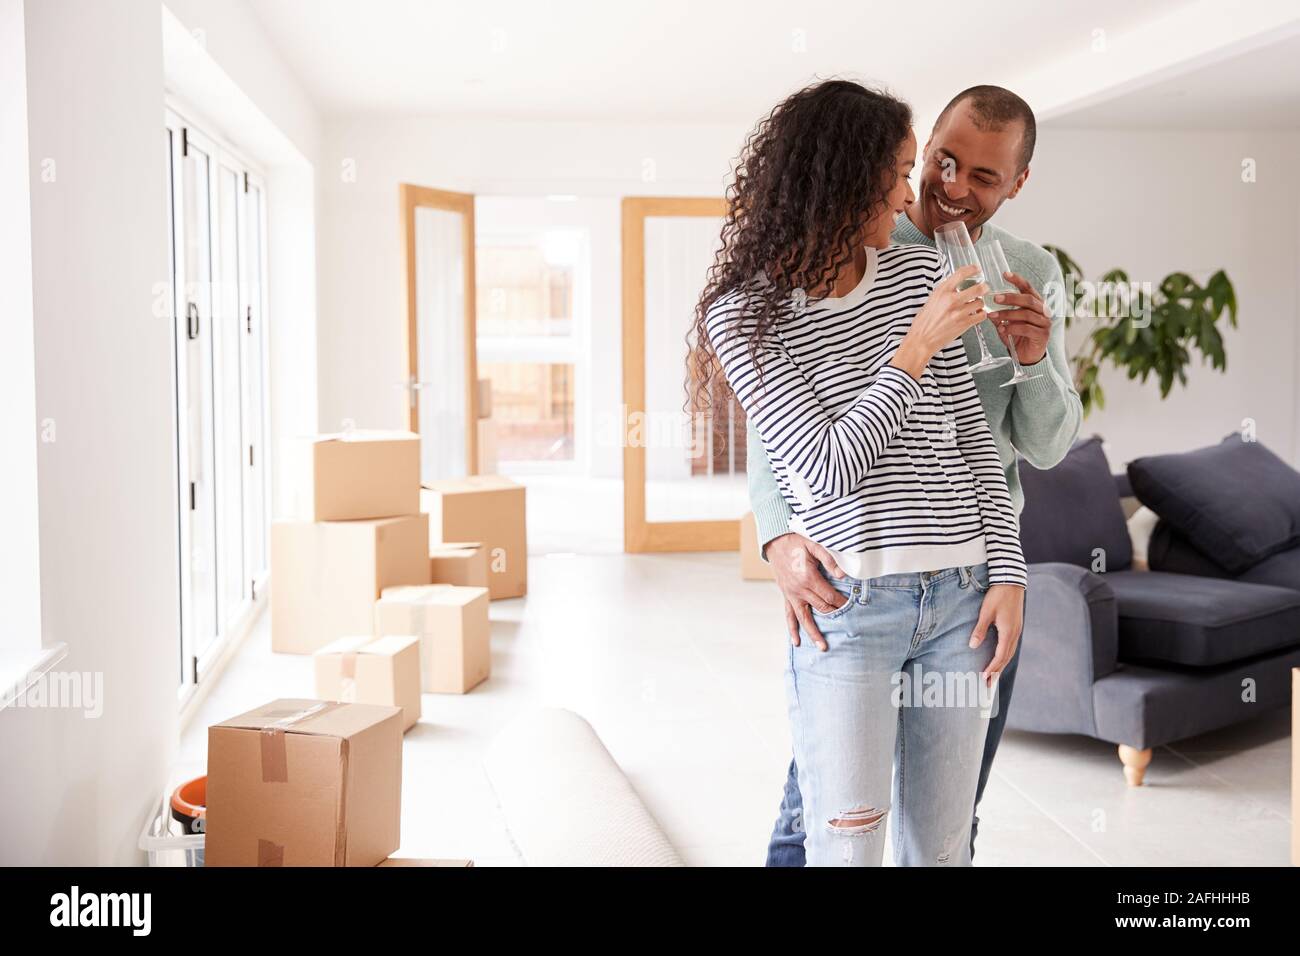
881	226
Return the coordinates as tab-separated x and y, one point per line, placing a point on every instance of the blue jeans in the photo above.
862	707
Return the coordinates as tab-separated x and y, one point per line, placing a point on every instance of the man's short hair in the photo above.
993	108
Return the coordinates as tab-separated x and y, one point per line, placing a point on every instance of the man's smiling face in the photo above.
968	171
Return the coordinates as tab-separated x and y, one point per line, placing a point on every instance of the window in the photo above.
218	310
531	297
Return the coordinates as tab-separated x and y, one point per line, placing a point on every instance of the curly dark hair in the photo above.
810	177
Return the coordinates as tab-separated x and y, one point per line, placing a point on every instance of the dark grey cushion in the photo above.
1235	502
1282	570
1170	551
1072	510
1181	619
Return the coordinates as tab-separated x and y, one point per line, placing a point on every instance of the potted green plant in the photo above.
1152	331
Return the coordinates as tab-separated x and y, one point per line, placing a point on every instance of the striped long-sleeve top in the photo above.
890	473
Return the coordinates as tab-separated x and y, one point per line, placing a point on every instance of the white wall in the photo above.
20	586
75	790
1159	201
362	289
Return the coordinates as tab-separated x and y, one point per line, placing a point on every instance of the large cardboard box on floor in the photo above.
355	474
464	563
752	565
485	508
452	625
326	575
305	783
370	670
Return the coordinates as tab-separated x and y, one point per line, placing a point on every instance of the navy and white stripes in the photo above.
892	474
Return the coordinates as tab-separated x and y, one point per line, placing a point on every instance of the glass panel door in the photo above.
253	361
232	582
195	336
684	485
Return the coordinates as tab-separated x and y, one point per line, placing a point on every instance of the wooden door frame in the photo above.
640	535
413	197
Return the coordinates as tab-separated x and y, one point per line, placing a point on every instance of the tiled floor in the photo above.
677	664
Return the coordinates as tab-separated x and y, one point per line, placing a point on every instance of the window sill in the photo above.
20	670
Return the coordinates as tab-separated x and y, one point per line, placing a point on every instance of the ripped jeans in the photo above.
896	698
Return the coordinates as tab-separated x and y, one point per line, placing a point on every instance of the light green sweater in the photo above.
1040	419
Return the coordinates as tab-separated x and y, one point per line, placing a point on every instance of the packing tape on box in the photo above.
347	677
270	854
275	765
348	665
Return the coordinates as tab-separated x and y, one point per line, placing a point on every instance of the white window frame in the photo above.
231	621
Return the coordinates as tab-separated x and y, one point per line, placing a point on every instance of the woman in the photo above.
845	353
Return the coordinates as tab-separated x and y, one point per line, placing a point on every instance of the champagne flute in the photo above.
954	242
994	262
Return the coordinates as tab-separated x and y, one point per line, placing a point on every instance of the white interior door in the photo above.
442	366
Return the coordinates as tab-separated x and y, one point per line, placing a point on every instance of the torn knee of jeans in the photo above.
857	820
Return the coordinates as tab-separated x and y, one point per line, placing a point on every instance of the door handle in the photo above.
192	320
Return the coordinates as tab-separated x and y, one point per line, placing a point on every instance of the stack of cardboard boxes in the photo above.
359	532
391	601
486	510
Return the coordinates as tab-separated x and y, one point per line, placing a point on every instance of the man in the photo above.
977	157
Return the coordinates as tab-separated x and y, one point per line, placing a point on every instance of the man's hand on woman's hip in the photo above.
795	560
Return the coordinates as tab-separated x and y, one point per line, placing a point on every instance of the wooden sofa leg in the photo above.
1135	763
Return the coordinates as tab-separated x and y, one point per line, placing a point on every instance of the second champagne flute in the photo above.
995	270
954	242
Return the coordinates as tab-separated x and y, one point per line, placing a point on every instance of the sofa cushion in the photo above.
1200	622
1073	510
1170	551
1282	570
1235	502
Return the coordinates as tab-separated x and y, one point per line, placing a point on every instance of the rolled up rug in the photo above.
566	801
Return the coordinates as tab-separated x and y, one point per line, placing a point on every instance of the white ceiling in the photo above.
1255	90
665	60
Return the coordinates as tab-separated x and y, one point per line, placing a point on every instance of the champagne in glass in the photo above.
994	263
954	242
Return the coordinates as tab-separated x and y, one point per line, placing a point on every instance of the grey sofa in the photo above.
1144	658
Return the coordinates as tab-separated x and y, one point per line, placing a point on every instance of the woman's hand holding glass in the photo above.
946	315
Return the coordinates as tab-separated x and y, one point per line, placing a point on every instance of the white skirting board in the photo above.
565	800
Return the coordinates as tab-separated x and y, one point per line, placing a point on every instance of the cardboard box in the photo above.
752	565
326	576
305	783
412	861
357	474
487	446
490	509
369	670
484	409
452	624
464	563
